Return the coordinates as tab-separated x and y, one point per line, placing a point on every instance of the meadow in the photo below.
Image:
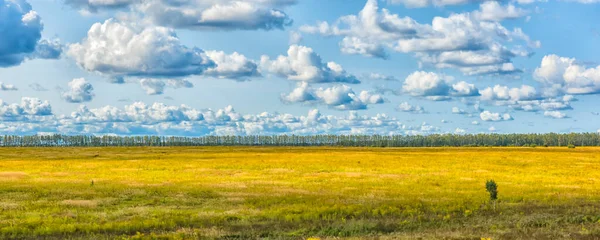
299	193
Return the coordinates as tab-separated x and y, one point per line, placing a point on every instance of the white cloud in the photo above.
303	64
492	129
488	116
340	97
199	14
235	66
407	107
562	75
7	87
474	43
27	107
555	114
436	86
493	11
498	92
121	49
475	123
79	91
161	119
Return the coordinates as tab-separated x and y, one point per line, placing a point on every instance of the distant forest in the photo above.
440	140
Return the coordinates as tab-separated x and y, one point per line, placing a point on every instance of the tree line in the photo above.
437	140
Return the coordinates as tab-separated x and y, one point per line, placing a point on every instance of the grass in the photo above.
297	193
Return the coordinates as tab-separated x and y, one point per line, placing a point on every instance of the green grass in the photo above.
297	193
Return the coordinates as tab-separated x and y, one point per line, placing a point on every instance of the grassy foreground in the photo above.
296	193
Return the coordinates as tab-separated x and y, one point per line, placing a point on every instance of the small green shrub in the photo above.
492	188
571	146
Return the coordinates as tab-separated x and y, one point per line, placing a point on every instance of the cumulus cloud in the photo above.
436	87
339	97
120	49
474	43
161	119
234	66
555	114
498	92
7	87
21	30
488	116
407	107
561	75
27	107
493	11
426	3
79	91
303	64
200	14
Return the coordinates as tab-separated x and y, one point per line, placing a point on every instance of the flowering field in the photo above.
297	193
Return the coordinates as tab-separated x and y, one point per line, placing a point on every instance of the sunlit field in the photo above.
298	193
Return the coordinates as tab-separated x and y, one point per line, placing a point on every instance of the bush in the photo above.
571	146
492	188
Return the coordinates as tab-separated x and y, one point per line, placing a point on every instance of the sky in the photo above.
269	67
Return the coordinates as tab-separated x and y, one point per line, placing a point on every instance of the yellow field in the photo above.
296	193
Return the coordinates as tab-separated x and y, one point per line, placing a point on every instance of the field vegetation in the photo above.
299	193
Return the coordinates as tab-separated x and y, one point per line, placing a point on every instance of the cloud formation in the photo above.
436	87
474	43
200	14
21	30
118	50
340	97
488	116
561	75
80	90
161	119
303	64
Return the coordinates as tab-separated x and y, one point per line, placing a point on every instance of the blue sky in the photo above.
242	67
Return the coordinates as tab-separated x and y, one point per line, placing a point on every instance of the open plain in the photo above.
299	193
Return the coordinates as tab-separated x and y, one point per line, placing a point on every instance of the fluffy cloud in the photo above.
200	14
555	114
493	11
340	97
157	86
498	92
120	49
474	43
21	30
27	107
494	117
303	64
235	66
406	107
79	91
161	119
562	75
435	86
7	87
